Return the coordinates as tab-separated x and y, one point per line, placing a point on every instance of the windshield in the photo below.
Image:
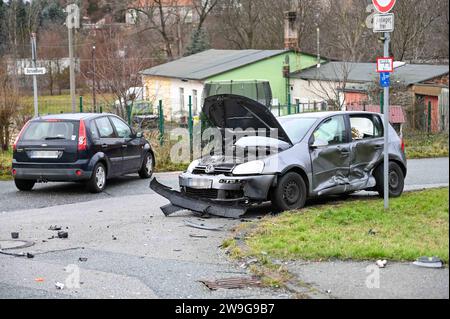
38	131
296	128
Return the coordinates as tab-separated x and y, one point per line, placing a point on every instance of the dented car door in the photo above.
367	145
330	153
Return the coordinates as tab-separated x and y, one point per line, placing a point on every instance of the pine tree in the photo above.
199	42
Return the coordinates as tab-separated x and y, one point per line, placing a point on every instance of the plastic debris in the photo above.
29	255
14	235
59	285
63	234
429	262
381	263
54	227
82	259
202	226
39	279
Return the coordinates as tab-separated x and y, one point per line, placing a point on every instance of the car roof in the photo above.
321	115
71	116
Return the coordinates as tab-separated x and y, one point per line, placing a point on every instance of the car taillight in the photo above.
403	145
20	135
82	140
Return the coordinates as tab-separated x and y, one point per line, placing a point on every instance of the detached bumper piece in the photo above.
180	201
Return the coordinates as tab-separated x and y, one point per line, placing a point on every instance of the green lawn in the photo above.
416	225
52	104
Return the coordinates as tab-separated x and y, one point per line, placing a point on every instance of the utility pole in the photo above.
33	57
94	101
72	22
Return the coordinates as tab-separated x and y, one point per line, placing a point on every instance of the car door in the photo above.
330	155
132	148
110	144
367	145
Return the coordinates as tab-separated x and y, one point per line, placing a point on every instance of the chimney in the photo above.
290	31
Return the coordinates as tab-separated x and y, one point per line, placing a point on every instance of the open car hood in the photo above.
229	111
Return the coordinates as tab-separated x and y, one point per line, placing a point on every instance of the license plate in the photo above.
44	154
199	183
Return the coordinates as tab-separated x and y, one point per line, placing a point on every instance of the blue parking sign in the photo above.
385	79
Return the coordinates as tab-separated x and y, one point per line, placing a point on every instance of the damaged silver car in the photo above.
310	155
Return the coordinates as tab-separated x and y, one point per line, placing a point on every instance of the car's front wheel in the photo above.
24	184
290	192
396	180
97	182
148	166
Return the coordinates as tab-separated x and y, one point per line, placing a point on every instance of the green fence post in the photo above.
161	123
129	110
298	107
279	109
289	103
382	102
429	116
81	104
101	108
190	127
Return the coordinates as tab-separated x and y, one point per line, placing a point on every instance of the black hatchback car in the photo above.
81	147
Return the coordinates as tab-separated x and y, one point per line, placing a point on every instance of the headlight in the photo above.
192	166
254	167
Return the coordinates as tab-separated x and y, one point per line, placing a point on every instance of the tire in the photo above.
290	193
24	184
97	182
396	180
148	165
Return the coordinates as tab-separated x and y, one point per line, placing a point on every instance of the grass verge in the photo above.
5	165
423	145
416	225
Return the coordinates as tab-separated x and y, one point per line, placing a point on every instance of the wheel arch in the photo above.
302	172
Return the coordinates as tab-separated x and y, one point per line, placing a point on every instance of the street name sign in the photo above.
35	71
385	79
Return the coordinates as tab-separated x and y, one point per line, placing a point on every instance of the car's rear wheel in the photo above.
97	182
148	166
396	180
24	184
290	193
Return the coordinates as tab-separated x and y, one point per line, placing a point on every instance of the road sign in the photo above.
383	6
35	71
385	79
383	22
385	65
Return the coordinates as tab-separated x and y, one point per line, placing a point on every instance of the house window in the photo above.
182	99
194	102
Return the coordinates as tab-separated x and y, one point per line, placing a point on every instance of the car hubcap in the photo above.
149	165
100	177
291	192
393	180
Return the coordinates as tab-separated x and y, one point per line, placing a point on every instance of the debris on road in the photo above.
114	237
14	235
82	259
202	226
429	262
29	255
39	279
371	232
54	227
63	234
197	236
232	283
381	263
59	285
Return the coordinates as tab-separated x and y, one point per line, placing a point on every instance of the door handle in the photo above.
104	145
378	147
124	145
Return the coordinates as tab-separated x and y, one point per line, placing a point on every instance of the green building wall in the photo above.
270	69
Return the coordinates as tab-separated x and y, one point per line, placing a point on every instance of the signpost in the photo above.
385	23
34	71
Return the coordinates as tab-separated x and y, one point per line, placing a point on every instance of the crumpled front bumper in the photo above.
180	201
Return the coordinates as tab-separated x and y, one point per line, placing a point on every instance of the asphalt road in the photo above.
133	251
421	173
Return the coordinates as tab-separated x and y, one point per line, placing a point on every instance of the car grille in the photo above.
226	170
205	193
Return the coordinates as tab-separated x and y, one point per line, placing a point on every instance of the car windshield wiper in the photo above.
55	138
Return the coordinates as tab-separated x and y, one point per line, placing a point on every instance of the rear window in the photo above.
48	130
